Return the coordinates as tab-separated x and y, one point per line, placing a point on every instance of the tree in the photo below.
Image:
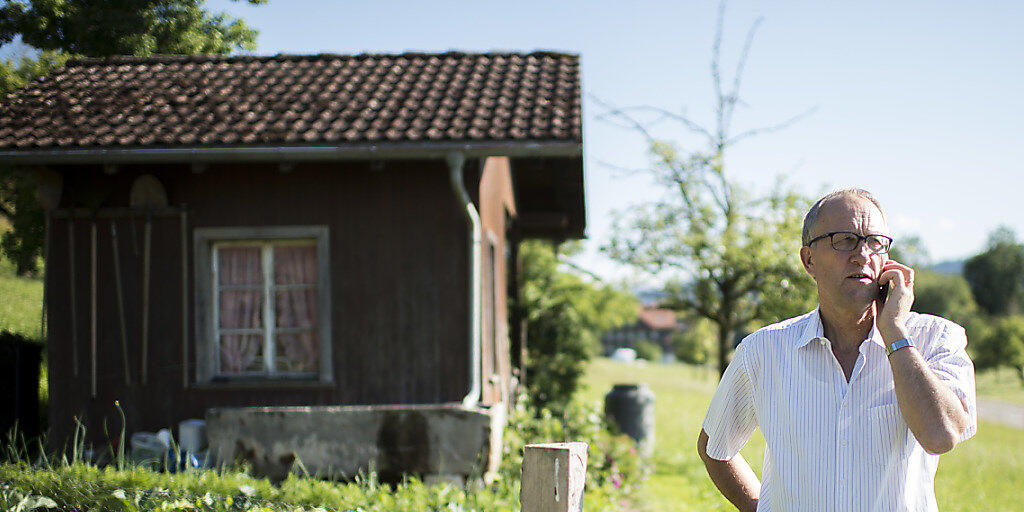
124	27
910	251
60	28
948	296
693	344
996	276
731	255
1003	346
564	316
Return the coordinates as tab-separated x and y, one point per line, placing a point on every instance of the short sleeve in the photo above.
947	357
731	420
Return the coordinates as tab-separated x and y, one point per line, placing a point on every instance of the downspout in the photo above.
456	161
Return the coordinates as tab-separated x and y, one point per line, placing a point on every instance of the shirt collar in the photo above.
813	330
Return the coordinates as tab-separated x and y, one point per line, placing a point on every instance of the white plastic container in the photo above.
192	435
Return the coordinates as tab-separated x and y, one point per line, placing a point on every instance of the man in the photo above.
855	399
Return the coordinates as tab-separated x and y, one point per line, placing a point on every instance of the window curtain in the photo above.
295	278
240	276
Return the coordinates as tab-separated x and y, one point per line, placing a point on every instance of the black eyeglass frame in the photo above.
832	241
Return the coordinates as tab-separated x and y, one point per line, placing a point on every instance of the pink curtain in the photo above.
296	344
241	307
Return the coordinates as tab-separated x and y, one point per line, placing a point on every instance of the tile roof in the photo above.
658	319
171	101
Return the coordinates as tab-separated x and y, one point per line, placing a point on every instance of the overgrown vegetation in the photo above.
70	483
565	316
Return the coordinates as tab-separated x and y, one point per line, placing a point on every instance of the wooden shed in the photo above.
321	233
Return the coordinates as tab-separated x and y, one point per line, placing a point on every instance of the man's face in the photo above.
850	278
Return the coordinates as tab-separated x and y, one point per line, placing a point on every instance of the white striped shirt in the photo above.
831	444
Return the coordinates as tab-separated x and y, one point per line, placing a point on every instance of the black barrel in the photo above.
631	407
19	378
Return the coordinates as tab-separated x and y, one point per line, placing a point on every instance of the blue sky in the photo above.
919	102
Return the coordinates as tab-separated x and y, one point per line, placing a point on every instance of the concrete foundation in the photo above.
342	442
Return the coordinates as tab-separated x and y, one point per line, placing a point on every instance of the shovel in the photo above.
147	194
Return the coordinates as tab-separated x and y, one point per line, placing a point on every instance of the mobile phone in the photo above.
883	293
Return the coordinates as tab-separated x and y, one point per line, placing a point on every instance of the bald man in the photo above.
856	399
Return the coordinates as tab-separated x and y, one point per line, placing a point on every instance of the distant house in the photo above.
653	325
316	253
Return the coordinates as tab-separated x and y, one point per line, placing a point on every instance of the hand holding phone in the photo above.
883	293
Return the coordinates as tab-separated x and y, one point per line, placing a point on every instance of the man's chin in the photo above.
860	299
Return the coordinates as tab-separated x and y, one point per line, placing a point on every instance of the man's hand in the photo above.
892	312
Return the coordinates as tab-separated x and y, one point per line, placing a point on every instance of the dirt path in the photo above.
1003	413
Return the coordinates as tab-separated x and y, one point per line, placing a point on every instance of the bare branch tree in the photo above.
730	254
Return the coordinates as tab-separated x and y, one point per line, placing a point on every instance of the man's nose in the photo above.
861	254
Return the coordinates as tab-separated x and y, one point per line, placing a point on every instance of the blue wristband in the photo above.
896	345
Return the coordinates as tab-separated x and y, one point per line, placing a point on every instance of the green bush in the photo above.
563	316
1002	344
648	350
694	343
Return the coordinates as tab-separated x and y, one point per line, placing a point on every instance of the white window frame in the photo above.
206	242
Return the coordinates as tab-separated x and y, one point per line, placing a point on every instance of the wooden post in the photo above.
553	477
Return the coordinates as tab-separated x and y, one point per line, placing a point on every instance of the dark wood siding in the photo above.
398	245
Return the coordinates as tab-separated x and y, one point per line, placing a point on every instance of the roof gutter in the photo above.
297	153
456	161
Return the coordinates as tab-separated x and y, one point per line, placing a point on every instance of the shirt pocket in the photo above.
886	435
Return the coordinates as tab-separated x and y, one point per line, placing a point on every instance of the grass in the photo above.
22	301
987	470
1001	384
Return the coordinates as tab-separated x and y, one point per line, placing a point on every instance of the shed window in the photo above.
266	307
263	303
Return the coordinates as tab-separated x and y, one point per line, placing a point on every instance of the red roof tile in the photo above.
286	99
658	319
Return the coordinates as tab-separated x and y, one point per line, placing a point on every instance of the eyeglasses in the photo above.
846	241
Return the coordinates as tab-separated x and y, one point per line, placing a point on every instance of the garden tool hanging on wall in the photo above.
92	198
147	194
120	301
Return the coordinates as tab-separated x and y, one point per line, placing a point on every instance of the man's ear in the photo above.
805	258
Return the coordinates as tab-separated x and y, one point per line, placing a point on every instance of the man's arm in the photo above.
935	415
733	477
932	411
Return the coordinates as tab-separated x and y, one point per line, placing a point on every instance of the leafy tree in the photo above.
910	251
59	28
124	27
731	255
1003	346
996	276
22	243
564	316
694	343
945	295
